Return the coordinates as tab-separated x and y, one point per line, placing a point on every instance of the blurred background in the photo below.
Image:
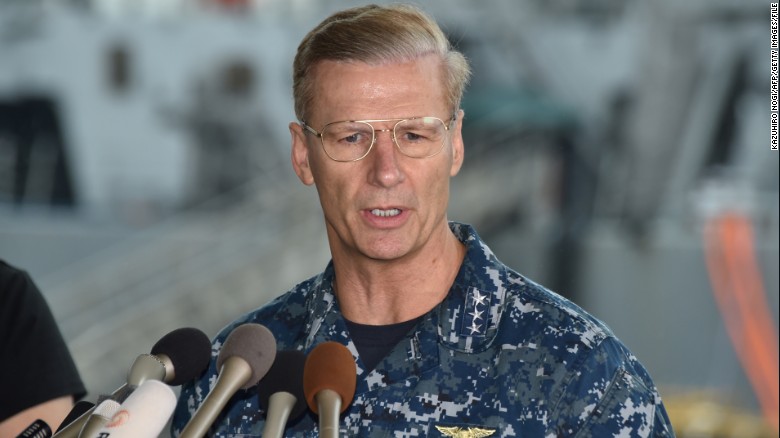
617	152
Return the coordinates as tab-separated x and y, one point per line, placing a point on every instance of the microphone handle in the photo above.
73	430
280	405
38	429
103	413
235	372
145	367
78	409
93	425
329	407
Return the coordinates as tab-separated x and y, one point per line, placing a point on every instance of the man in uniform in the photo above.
448	341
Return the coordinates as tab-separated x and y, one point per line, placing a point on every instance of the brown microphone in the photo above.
329	380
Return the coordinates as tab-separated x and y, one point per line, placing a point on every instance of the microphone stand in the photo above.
329	407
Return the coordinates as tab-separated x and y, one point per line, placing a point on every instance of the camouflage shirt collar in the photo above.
466	320
468	317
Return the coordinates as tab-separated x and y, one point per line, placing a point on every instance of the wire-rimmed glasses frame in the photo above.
374	130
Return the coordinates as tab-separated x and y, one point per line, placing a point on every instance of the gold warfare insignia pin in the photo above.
459	432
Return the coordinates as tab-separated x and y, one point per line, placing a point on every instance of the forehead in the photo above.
358	90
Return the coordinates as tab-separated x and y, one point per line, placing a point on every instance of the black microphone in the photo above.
329	381
179	356
38	429
280	392
246	356
185	352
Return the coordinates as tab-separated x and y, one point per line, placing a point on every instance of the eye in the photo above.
347	134
418	135
355	137
412	136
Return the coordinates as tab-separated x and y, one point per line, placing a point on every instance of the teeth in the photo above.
386	213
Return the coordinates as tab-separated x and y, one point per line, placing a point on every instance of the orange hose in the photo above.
748	279
739	294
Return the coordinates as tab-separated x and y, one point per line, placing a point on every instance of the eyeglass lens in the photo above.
418	138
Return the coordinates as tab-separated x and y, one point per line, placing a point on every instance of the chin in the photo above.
386	251
385	255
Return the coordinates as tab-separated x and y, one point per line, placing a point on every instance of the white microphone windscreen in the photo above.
144	413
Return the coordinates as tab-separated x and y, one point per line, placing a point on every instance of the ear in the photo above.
300	154
457	144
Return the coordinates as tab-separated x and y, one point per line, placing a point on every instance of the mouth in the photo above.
390	212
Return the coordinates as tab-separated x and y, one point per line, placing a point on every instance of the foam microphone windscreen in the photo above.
189	350
285	375
245	357
144	414
255	344
329	366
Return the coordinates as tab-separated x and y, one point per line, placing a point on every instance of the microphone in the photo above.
144	414
280	392
246	356
185	352
38	429
329	380
99	417
179	356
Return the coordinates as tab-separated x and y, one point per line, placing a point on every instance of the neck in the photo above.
379	292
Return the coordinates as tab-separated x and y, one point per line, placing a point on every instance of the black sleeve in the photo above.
35	364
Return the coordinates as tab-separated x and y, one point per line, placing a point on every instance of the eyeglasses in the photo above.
352	140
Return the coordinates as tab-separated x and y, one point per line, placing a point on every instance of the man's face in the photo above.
387	205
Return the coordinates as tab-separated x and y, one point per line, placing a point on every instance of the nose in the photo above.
384	166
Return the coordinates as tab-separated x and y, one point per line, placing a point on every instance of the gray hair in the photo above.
377	34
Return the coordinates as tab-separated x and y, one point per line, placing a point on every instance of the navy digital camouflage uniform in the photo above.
499	355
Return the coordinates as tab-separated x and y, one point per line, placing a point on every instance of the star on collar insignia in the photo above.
459	432
479	299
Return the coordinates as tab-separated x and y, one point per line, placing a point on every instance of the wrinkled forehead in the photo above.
346	90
